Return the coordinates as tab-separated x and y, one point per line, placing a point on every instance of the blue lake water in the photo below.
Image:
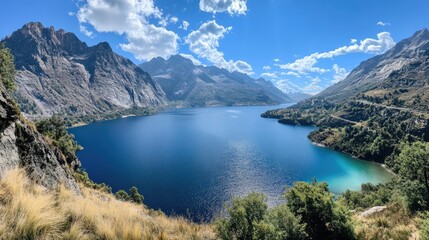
190	161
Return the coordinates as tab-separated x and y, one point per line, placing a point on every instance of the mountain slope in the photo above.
22	146
384	101
190	85
59	74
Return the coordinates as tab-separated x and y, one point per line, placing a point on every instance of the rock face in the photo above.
22	146
406	65
57	73
190	85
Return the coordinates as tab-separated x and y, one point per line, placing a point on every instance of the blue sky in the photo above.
300	45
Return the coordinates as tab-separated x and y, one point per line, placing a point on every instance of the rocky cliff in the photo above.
22	146
57	73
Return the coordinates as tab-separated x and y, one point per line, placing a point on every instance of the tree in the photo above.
135	196
122	195
7	68
413	165
244	215
315	205
54	128
280	224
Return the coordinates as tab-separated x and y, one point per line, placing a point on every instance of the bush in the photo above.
122	195
280	224
135	196
54	128
244	215
7	68
315	205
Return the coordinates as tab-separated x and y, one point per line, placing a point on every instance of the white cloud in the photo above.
340	73
291	73
383	24
313	87
287	87
163	22
192	58
266	67
269	75
85	31
130	18
204	42
307	64
71	13
174	20
231	6
353	41
276	60
184	25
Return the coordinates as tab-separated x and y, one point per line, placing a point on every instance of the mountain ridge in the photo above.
97	81
189	85
381	103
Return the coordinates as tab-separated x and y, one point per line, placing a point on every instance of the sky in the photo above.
299	45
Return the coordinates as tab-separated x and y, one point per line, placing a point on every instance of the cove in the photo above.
189	162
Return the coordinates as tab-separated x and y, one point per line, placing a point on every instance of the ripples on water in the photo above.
191	161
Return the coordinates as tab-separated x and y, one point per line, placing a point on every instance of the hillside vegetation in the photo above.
29	211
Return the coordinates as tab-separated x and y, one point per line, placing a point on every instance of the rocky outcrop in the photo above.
187	84
59	74
22	146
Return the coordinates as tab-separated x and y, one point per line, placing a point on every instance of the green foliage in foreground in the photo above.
81	176
7	68
310	212
134	195
324	218
54	128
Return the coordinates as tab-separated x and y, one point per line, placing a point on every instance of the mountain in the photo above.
403	66
381	103
59	74
187	84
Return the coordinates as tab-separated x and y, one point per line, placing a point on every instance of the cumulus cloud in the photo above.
307	64
184	25
340	73
269	75
276	60
266	67
204	42
313	87
287	87
173	20
231	6
192	58
383	24
130	18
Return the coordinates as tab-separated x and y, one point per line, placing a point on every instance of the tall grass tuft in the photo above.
29	211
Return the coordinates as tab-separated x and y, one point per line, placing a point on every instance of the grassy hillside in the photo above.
29	211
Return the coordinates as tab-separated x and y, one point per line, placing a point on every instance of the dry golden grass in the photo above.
28	211
393	223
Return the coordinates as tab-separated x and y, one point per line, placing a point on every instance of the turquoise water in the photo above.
190	161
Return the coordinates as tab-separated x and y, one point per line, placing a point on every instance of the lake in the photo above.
189	162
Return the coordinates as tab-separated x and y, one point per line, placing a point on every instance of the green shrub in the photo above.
315	205
7	68
245	214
